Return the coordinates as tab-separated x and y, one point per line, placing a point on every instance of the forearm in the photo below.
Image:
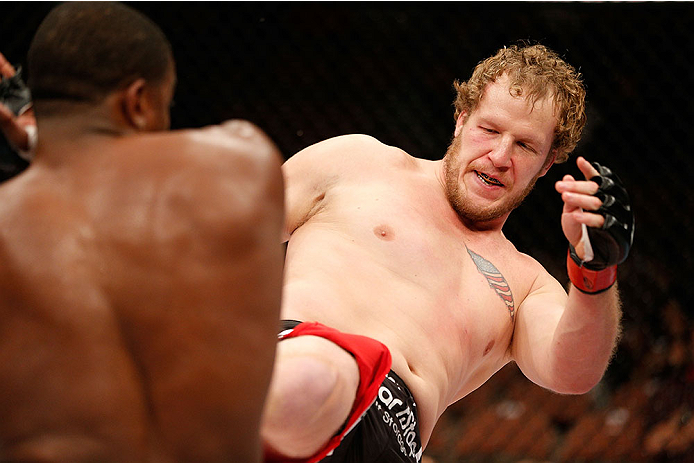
598	219
585	339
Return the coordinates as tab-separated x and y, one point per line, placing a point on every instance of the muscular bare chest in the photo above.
408	264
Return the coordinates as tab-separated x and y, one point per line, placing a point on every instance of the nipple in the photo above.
488	348
384	232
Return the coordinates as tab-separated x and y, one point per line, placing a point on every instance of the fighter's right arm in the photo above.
310	174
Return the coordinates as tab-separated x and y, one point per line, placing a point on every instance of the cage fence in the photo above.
305	72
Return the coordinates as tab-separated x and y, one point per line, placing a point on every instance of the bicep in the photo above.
536	323
309	174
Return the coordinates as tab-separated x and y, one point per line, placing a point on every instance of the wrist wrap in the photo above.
589	281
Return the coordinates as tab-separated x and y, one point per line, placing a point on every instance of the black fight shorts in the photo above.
387	432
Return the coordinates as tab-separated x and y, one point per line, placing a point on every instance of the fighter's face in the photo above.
498	153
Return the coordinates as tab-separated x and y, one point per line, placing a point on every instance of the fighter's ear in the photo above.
460	122
136	107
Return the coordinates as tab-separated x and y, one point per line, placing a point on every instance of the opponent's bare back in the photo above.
139	292
379	244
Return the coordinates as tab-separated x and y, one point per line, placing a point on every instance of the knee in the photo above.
311	395
302	386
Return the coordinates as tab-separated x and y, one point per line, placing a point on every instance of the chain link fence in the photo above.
305	72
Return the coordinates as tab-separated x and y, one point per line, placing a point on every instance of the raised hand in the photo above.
16	113
597	218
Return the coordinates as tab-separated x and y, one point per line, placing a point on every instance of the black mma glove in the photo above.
610	243
15	95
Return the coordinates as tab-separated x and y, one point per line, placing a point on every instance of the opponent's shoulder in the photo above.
236	149
218	176
237	146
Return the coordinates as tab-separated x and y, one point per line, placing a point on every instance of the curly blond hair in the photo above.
539	71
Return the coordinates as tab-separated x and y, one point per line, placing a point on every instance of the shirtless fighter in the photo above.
140	269
409	293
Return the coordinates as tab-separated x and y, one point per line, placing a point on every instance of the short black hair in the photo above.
82	51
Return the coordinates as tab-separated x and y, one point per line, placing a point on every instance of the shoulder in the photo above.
235	151
220	176
528	275
343	158
357	143
314	174
236	146
539	280
345	151
226	145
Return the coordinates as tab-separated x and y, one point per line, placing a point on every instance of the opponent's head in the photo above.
85	51
535	72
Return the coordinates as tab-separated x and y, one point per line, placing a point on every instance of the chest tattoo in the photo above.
495	279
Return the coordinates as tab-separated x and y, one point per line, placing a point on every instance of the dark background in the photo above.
305	72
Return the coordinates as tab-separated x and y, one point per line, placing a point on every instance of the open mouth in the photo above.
487	179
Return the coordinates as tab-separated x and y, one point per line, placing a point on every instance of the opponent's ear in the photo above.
460	122
136	107
549	162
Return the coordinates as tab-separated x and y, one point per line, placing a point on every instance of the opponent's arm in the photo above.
565	342
17	121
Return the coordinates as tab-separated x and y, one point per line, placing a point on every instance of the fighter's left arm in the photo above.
565	343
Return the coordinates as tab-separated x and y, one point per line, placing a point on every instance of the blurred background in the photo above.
305	72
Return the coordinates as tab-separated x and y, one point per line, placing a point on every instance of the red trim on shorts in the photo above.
374	362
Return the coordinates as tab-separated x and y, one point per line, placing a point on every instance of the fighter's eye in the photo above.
526	147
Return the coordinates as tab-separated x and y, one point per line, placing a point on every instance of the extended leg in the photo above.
311	395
